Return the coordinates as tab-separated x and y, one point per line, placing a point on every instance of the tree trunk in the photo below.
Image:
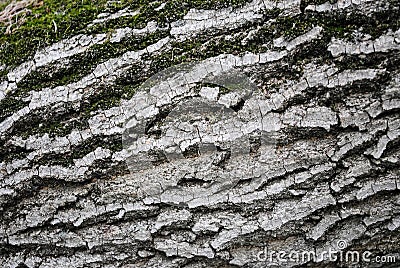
212	134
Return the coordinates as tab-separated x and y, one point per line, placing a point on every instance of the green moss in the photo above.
83	64
172	11
3	4
71	17
49	23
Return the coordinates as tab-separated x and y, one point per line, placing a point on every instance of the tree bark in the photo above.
216	139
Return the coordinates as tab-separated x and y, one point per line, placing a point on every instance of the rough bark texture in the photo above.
328	86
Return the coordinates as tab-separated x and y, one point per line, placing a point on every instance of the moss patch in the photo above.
56	20
49	23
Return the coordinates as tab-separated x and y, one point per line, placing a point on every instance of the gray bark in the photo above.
306	158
